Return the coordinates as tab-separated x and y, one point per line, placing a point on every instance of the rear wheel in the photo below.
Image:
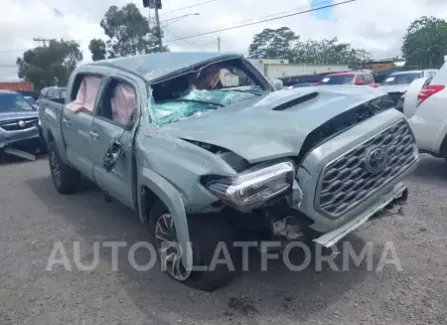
65	178
205	235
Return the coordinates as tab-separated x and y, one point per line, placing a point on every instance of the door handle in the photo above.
94	135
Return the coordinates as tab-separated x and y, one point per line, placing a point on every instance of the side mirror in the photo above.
359	83
278	84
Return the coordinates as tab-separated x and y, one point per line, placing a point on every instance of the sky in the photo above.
375	25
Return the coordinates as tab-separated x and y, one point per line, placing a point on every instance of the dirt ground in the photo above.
33	217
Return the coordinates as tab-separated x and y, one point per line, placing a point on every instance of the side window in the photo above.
359	78
83	93
369	79
118	101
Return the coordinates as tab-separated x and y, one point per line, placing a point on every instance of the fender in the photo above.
169	195
51	124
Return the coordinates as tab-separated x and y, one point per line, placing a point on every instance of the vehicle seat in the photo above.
123	102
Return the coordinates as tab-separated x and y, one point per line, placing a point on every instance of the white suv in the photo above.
428	114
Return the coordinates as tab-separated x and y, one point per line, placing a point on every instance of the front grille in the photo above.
350	179
15	125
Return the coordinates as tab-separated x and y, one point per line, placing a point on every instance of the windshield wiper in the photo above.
197	101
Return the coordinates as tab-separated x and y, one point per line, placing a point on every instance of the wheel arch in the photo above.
153	187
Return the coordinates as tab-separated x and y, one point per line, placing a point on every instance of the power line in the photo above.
316	4
187	42
192	6
261	21
231	27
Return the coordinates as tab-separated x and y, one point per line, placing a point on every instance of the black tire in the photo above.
65	179
205	234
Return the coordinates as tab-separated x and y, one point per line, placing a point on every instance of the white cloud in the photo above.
376	25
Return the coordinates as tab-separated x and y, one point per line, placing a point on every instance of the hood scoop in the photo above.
296	101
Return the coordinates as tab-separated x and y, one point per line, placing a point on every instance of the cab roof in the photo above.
156	66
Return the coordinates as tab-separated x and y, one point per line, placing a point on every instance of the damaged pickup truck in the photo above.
204	149
19	120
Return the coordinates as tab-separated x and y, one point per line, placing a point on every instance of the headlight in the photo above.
38	122
255	186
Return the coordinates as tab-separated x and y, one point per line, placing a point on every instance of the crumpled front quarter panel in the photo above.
181	164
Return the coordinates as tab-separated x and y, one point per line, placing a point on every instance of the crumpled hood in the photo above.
394	88
257	132
17	115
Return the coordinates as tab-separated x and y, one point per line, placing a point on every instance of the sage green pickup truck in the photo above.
205	150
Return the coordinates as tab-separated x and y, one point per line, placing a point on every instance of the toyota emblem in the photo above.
376	159
21	124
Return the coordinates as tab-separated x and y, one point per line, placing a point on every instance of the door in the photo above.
117	103
77	122
76	129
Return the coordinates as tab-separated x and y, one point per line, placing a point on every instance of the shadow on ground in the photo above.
430	170
254	293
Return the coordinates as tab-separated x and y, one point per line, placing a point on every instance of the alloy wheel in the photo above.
169	249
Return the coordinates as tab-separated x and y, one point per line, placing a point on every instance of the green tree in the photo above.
273	44
98	49
49	65
424	43
128	33
328	51
283	43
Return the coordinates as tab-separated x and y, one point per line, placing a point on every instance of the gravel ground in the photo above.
33	217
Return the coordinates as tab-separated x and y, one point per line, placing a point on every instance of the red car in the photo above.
349	78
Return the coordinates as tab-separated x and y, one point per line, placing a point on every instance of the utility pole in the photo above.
157	24
43	40
218	44
156	5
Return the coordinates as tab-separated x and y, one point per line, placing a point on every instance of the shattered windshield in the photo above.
197	102
202	91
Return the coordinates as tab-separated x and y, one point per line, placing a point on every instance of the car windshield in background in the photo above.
402	78
338	80
31	100
10	102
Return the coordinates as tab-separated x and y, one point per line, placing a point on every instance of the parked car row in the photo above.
20	130
425	107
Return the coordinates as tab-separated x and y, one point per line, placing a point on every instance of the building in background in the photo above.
282	68
17	86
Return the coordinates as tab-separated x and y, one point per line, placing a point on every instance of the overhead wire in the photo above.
188	7
285	14
186	41
320	3
261	21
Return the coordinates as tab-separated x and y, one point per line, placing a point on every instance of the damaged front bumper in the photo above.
397	196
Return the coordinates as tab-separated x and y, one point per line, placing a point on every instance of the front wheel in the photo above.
65	178
206	234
